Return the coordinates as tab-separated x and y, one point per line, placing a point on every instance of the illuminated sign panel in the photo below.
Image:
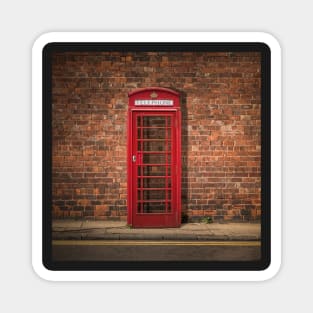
155	102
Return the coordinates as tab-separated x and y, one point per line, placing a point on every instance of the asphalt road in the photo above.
104	250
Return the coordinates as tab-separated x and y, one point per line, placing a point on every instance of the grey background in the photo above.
22	22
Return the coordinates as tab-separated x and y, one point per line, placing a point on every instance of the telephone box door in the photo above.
154	173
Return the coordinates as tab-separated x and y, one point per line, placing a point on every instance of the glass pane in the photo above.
154	158
152	182
155	133
155	171
169	158
169	207
155	121
151	195
139	133
139	145
155	146
139	121
139	171
169	183
139	207
169	195
154	207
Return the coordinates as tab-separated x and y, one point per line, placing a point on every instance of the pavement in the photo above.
115	230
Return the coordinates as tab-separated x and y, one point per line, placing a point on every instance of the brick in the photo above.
101	210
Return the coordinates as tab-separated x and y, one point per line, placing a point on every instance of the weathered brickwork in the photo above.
221	143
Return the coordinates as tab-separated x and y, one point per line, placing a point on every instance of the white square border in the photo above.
261	37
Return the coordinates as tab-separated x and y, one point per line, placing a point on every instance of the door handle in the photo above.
134	158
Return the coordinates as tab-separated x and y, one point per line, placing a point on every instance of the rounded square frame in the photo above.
166	275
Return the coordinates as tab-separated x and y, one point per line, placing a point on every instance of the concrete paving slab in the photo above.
66	224
68	236
102	224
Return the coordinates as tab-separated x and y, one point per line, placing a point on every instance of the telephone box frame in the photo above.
154	101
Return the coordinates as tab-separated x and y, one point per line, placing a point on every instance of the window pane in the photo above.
156	121
156	146
156	170
154	158
154	207
152	182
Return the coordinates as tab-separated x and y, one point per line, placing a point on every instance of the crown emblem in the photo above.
154	95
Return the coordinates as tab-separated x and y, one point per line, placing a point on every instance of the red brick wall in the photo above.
221	175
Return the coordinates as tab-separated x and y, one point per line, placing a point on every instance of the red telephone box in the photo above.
154	158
